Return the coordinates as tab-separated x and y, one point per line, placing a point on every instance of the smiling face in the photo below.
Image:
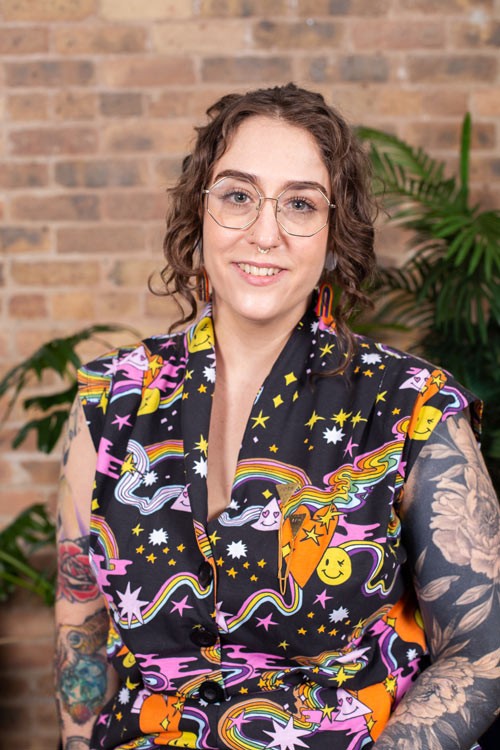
274	287
335	566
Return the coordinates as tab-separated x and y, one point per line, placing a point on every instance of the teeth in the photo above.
258	270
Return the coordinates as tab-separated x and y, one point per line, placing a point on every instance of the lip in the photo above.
258	280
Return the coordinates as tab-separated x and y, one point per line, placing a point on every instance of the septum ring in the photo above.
263	250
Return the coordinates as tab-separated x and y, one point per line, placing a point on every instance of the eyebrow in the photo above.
253	179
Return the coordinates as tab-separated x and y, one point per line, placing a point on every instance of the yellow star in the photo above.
310	615
327	517
357	418
103	402
189	374
290	378
295	396
178	705
95	504
370	724
213	537
301	631
243	690
119	716
220	561
202	388
283	644
262	563
332	632
232	572
326	349
246	565
131	685
327	710
356	370
137	529
381	396
166	550
311	534
202	445
277	401
321	629
185	395
267	494
368	373
312	421
260	420
128	465
151	558
341	676
140	549
390	683
438	380
340	417
254	578
172	562
381	367
181	547
396	411
273	448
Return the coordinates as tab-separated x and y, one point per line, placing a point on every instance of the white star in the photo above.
209	374
158	536
339	614
333	435
237	549
411	654
314	326
150	478
371	359
131	604
200	467
124	696
286	738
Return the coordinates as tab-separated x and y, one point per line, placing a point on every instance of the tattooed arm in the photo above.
451	520
83	680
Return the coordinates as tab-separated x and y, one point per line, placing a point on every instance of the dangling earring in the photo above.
330	262
203	288
324	305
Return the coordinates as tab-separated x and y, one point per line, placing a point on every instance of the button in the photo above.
203	637
211	692
205	574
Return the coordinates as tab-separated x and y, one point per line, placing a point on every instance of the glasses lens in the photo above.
233	203
303	211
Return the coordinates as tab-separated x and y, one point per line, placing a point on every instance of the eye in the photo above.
340	563
300	205
265	513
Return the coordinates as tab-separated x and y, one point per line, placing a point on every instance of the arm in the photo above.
83	680
451	521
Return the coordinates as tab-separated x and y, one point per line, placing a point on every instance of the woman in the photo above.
277	556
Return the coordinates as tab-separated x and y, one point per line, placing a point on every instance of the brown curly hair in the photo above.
350	234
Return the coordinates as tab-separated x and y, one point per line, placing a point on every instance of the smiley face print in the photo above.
335	566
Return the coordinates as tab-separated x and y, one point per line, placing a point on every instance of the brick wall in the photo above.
98	99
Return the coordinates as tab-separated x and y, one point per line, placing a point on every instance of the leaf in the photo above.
473	594
455	648
433	590
475	617
419	563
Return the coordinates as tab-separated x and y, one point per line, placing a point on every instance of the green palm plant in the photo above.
448	289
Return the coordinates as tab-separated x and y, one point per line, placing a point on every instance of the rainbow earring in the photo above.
203	288
324	305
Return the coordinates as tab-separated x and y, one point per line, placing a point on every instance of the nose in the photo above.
266	232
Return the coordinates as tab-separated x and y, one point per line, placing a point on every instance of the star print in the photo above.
151	558
130	605
214	538
368	373
202	388
357	418
189	374
232	572
128	465
340	417
273	448
237	549
265	622
140	549
381	396
396	411
333	435
180	606
411	654
150	477
220	561
185	395
238	721
262	563
287	737
209	374
301	631
158	536
341	676
283	644
121	421
113	366
277	401
202	445
137	529
370	359
326	349
200	467
103	402
290	378
321	629
336	615
254	578
312	421
322	598
260	420
350	446
311	534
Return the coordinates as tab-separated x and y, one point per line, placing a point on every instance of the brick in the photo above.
101	173
448	103
23	175
44	10
73	305
32	106
49	73
121	105
42	472
307	34
138	10
168	170
130	273
26	306
65	207
50	273
147	136
242	8
12	503
344	7
163	309
476	35
106	39
355	102
75	105
355	68
15	40
200	36
134	206
118	306
159	70
21	239
486	102
101	239
248	69
397	34
451	68
485	169
444	6
186	102
438	135
63	140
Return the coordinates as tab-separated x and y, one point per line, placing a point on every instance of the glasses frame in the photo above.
262	199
